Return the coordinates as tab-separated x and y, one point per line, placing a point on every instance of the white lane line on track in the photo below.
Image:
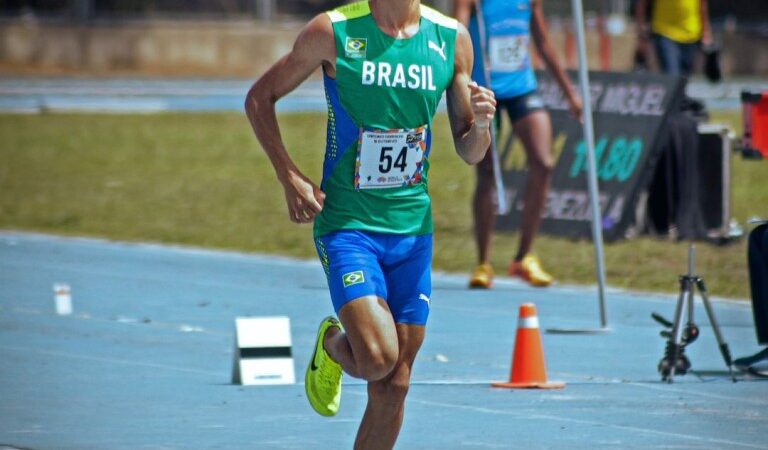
181	327
144	278
16	237
665	387
754	401
123	362
527	415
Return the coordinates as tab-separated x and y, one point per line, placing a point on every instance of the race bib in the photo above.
390	158
508	53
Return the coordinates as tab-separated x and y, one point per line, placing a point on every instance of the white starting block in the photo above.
263	351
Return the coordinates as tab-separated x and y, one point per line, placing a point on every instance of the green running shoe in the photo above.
323	379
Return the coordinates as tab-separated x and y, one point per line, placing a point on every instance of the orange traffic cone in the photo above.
528	368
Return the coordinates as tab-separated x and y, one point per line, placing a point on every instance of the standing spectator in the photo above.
677	29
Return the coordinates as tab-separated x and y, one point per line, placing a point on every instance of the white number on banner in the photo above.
390	158
508	53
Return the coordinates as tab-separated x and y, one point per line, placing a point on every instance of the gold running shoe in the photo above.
323	379
482	277
530	270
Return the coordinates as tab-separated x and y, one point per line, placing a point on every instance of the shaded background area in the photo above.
237	37
746	12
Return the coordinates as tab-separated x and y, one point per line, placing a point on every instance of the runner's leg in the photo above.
484	208
383	416
535	133
368	347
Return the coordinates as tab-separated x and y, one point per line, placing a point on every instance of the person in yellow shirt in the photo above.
677	27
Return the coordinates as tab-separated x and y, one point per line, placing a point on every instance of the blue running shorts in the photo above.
394	267
517	108
521	105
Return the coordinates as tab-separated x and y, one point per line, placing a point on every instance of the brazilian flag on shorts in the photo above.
380	108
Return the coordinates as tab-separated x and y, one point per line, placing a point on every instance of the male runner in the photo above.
386	64
508	26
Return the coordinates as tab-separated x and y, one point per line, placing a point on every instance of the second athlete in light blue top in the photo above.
508	26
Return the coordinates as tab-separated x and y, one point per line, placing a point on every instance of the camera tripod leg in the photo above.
673	350
690	297
715	327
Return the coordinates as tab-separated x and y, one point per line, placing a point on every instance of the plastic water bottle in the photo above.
63	299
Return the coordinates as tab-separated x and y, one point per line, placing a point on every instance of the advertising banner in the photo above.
629	114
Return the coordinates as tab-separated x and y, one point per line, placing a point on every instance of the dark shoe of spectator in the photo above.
695	108
712	63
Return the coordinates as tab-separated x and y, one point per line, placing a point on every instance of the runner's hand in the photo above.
303	197
483	104
576	107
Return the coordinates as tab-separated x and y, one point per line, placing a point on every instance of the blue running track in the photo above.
144	362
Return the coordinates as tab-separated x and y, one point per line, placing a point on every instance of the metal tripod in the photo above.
674	360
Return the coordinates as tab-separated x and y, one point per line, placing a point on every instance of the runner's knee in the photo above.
393	389
542	165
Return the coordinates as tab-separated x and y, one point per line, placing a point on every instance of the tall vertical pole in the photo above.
589	139
265	9
501	200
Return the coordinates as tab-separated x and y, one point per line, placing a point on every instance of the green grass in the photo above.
201	179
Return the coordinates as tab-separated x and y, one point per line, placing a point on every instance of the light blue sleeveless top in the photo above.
508	31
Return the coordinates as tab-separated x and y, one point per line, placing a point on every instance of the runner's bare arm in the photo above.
547	52
313	47
470	107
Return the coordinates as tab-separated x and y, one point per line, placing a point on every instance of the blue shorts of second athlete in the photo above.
394	267
517	108
521	105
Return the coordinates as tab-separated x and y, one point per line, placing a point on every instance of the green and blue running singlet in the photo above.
380	110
